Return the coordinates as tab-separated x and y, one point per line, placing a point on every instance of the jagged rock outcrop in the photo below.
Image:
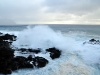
54	52
9	62
93	42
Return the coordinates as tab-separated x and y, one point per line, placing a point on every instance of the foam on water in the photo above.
39	37
76	58
64	66
74	66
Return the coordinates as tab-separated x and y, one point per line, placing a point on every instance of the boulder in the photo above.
24	50
6	54
20	60
7	71
35	50
39	62
54	52
29	58
92	41
8	37
9	63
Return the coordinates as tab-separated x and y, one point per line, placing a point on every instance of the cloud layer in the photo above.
50	11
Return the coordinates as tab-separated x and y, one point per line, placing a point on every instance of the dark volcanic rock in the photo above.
35	50
30	50
54	52
7	71
28	65
9	63
8	37
30	58
93	42
23	62
20	60
40	62
6	53
14	65
23	49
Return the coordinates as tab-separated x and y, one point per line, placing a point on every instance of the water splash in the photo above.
76	58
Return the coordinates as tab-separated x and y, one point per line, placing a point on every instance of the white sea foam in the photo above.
76	58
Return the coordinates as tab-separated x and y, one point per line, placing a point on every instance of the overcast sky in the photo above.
49	12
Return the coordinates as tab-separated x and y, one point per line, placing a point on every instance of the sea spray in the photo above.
69	63
39	37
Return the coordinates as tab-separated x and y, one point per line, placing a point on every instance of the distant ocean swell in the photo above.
76	58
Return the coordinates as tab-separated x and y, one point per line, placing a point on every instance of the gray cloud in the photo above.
20	10
77	7
77	11
50	11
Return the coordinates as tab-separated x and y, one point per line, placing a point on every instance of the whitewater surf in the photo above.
76	58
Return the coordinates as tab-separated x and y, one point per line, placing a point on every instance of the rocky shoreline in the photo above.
93	42
9	62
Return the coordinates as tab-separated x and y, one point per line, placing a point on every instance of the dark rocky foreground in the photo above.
9	62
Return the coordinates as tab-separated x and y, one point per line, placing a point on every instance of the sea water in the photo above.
76	58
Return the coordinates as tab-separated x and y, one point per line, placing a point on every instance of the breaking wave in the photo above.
76	58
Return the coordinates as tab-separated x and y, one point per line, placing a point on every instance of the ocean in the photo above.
77	58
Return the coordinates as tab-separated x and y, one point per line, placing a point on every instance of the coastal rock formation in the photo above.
8	37
93	42
24	50
9	62
54	52
6	53
40	62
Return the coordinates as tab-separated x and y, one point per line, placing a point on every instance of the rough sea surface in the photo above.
76	58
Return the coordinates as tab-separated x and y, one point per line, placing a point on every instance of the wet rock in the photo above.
39	62
24	50
20	60
93	42
8	37
54	52
30	58
6	53
7	71
23	62
35	50
9	63
14	65
28	65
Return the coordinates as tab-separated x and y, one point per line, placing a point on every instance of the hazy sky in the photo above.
50	11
